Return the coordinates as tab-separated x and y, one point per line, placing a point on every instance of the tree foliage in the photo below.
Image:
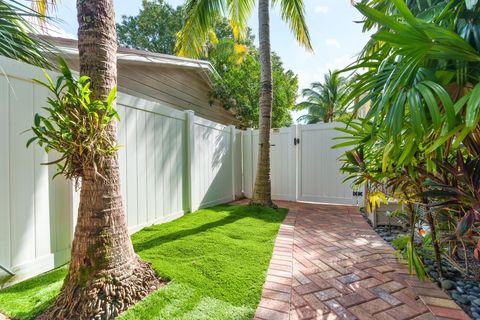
153	29
239	85
325	101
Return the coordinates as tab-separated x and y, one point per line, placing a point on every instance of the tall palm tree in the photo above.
324	101
201	15
15	32
105	275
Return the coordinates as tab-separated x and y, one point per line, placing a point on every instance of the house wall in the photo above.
174	87
171	162
178	88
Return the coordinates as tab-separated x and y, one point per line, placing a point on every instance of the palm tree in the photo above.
105	275
201	15
324	101
17	43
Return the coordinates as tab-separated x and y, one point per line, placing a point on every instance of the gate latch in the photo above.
296	141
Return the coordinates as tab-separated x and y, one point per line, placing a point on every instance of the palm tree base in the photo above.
263	203
106	296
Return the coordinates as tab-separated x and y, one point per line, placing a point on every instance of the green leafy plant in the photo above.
456	186
75	126
417	83
407	250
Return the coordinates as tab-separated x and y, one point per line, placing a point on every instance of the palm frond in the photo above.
293	13
43	7
16	39
200	17
413	36
326	100
238	12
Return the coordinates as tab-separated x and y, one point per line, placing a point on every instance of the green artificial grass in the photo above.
216	260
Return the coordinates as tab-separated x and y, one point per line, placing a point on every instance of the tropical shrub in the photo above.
418	77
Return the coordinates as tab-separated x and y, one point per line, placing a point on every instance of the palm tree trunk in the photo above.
262	194
105	275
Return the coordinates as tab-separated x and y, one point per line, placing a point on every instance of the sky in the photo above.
336	38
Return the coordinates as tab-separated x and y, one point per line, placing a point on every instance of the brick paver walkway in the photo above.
328	263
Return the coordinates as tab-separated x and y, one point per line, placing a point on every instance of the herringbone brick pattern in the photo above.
328	263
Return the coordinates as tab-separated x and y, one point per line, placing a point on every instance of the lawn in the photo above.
216	260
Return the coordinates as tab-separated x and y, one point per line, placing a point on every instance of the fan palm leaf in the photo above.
409	72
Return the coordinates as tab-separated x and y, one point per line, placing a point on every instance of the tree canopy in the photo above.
155	29
239	86
325	101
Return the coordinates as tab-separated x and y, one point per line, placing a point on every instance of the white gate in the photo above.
304	166
319	177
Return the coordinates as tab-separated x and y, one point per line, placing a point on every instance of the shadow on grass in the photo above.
29	298
39	281
234	213
33	313
229	284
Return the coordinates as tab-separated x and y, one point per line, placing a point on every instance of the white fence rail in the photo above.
171	162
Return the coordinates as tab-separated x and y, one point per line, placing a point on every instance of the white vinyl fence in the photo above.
171	162
304	167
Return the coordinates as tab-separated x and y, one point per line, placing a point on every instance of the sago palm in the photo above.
324	101
201	15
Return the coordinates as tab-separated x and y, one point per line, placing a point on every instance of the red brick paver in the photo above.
328	263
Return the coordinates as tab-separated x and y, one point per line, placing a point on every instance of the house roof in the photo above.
69	47
177	82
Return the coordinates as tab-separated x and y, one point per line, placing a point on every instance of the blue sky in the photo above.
336	37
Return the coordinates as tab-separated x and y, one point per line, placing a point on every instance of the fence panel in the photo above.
151	161
319	177
238	165
212	163
161	178
282	161
247	159
34	231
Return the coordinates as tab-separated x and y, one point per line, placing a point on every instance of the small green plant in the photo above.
76	127
406	250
